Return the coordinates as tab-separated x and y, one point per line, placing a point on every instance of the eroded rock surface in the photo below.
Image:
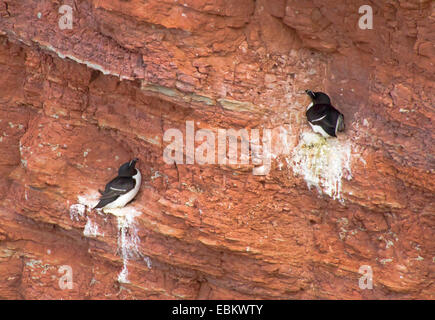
75	104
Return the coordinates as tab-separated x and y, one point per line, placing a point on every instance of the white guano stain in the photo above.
79	210
76	211
323	163
89	200
91	229
128	239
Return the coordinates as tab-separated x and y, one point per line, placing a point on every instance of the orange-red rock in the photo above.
75	104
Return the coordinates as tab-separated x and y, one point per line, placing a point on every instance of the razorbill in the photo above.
123	188
322	116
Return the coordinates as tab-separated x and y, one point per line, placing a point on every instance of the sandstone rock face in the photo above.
76	103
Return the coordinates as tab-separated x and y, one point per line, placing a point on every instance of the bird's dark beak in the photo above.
133	162
311	94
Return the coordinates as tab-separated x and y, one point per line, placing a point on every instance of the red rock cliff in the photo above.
76	103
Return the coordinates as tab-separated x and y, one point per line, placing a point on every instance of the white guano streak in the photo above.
323	163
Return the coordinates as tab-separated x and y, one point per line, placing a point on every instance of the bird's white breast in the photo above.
126	198
319	129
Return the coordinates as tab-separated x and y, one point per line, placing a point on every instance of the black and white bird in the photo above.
122	189
322	116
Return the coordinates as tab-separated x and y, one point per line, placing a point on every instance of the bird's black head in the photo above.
318	97
128	169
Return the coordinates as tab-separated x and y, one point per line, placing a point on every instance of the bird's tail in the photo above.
340	123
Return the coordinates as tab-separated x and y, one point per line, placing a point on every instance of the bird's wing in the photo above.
325	113
329	130
114	189
316	112
118	187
